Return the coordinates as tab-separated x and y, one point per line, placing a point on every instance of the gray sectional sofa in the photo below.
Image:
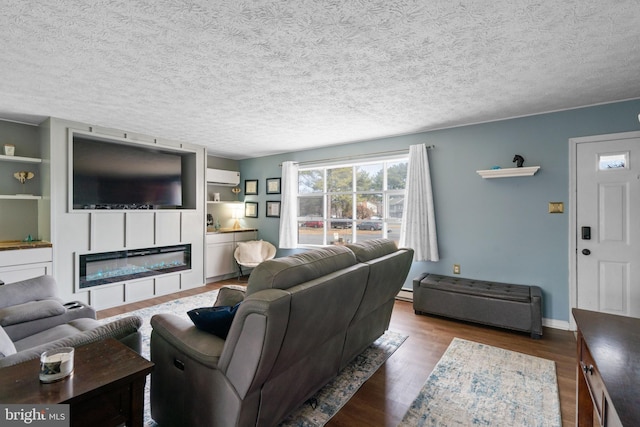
303	318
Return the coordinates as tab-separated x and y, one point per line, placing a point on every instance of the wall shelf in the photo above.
20	196
19	159
508	172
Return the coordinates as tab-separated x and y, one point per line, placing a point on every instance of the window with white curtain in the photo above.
352	202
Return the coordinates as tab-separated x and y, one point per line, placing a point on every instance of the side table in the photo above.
105	389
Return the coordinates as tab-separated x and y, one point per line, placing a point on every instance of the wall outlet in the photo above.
456	268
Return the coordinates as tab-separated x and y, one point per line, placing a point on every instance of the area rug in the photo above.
318	410
479	385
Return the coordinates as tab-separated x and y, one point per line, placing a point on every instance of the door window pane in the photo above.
612	161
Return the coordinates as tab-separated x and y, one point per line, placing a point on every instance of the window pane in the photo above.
397	175
612	161
310	207
396	206
370	177
341	206
311	232
370	206
368	230
310	181
340	179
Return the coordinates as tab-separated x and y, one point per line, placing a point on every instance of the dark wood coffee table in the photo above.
105	389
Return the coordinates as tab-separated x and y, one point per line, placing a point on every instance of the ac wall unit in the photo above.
223	177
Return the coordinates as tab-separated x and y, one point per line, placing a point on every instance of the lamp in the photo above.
236	214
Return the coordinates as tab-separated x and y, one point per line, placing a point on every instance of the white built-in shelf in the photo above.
19	159
222	202
20	196
508	172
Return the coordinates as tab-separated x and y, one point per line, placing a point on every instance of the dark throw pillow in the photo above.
215	320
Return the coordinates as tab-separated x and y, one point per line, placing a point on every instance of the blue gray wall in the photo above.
496	229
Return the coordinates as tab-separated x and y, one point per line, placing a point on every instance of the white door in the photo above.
608	225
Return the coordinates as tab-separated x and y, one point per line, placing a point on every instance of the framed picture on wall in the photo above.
251	209
273	185
250	187
273	209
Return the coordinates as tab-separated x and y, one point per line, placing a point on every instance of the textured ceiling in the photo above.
249	78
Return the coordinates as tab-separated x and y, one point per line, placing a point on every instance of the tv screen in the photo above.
113	175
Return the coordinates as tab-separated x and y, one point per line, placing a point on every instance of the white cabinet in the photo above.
22	264
220	248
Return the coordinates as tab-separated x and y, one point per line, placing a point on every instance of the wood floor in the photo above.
386	396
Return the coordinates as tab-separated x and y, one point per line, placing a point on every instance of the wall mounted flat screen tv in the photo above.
114	175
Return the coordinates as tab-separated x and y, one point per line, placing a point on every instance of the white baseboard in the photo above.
556	324
405	295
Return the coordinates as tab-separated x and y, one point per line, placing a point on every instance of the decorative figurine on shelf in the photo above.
518	160
23	176
236	191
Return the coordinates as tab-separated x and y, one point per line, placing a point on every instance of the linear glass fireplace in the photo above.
118	266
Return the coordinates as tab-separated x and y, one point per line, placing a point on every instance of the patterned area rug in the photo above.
318	410
479	385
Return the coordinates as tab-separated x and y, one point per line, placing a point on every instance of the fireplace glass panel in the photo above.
118	266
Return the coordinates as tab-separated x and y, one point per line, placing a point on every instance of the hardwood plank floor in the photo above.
383	400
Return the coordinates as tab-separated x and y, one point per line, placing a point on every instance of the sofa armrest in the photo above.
187	339
121	329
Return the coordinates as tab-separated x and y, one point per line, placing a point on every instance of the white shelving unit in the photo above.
508	172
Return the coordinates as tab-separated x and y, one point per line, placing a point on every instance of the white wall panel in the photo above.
108	297
139	290
140	229
168	228
108	231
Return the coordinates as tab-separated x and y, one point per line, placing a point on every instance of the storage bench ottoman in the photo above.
516	307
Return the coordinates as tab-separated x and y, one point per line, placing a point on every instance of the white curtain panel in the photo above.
418	229
288	238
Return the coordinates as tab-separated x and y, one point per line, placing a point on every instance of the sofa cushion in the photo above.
31	310
37	288
6	345
480	288
83	331
230	295
57	332
215	320
283	273
251	252
371	249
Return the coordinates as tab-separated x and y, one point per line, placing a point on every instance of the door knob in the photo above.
586	252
